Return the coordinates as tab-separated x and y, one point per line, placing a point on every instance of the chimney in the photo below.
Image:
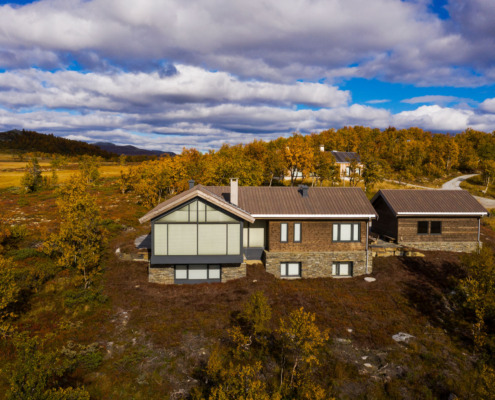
303	189
234	191
191	183
322	147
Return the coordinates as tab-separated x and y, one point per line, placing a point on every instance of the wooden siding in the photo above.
315	236
453	230
386	224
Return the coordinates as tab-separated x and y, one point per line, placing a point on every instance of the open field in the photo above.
13	178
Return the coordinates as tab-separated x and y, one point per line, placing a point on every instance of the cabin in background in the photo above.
447	220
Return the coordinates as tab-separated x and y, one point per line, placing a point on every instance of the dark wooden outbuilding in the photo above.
429	219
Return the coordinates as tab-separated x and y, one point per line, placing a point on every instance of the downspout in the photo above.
367	243
479	233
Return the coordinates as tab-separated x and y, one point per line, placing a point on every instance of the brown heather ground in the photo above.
156	339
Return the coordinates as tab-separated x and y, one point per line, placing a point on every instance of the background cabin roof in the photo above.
430	202
345	156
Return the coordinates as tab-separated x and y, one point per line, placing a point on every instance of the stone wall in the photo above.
465	247
317	264
233	271
164	274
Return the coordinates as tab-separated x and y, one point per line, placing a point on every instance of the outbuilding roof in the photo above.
345	156
412	202
277	202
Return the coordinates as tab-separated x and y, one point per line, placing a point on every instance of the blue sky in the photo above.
167	74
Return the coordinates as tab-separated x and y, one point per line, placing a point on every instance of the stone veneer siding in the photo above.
318	264
164	274
464	247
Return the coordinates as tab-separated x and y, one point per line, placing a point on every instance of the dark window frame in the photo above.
439	225
286	232
300	232
424	223
353	240
337	268
208	279
287	269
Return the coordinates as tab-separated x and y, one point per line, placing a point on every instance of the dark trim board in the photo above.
254	253
215	259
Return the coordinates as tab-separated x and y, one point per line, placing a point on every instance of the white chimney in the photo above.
322	147
234	191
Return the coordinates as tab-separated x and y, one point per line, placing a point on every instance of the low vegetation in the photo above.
79	322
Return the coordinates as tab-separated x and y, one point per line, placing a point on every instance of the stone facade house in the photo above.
429	219
207	233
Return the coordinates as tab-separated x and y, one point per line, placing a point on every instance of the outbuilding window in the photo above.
436	227
422	227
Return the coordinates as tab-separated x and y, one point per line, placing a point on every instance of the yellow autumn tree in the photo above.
79	242
301	341
299	156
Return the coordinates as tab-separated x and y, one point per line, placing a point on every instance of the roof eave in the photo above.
314	216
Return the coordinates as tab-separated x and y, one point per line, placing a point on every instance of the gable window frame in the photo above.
284	232
355	237
297	232
285	268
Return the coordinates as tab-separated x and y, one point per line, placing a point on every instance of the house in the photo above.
344	159
446	220
207	233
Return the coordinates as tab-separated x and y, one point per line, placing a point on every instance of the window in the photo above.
436	227
347	171
342	268
297	232
422	227
197	273
283	233
346	232
288	269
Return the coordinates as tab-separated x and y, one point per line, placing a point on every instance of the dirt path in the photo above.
454	184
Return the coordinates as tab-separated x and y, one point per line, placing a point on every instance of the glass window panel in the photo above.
422	227
345	232
234	239
213	215
334	269
198	272
160	239
245	237
283	232
214	272
293	269
345	268
212	239
257	234
355	235
180	215
283	269
297	232
182	239
201	211
193	211
347	171
335	232
181	272
436	227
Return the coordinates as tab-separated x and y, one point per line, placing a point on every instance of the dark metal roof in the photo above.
273	201
437	202
345	156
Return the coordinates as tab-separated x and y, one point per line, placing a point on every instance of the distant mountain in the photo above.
130	150
30	141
